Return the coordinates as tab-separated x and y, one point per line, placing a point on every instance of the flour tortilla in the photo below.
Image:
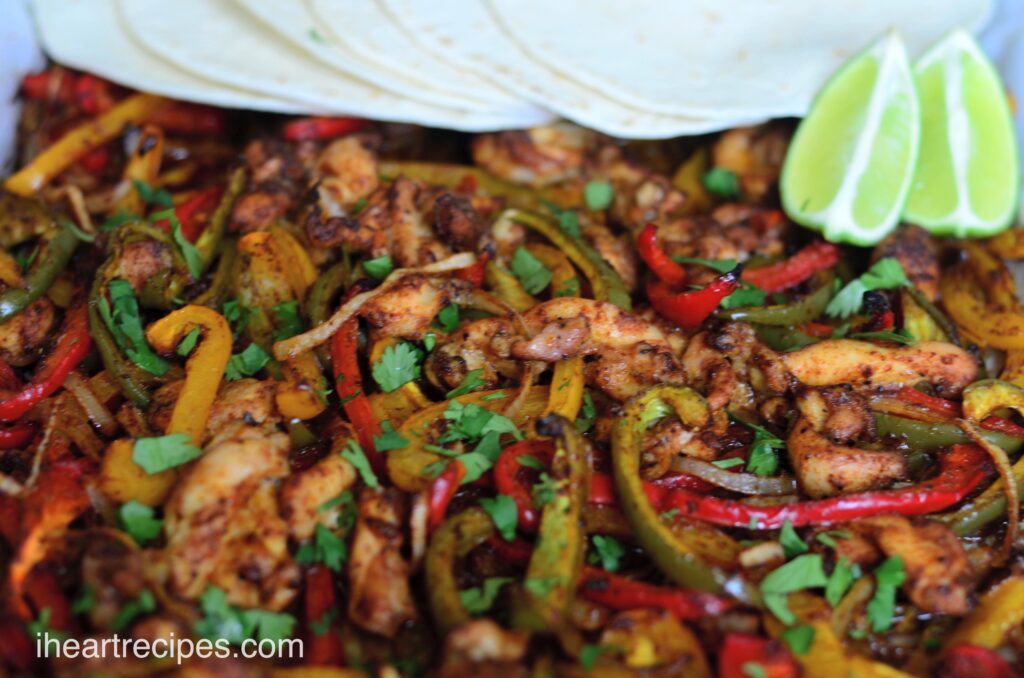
293	22
222	42
367	35
88	35
709	58
465	33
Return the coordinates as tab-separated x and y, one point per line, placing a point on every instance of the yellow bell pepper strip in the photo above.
1013	369
557	558
456	537
688	179
299	267
919	321
605	282
507	287
400	404
567	386
992	275
123	480
79	141
985	397
405	466
966	304
298	394
999	612
204	369
144	166
10	270
678	553
473	179
23	218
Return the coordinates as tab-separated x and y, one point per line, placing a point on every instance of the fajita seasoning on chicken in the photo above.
375	399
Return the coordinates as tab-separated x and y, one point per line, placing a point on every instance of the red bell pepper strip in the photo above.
952	409
1006	426
40	86
506	477
690	309
72	346
16	648
969	661
316	128
93	94
185	118
819	330
9	381
474	273
740	651
323	649
16	436
795	270
96	160
42	591
349	385
663	266
962	469
441	492
620	593
195	212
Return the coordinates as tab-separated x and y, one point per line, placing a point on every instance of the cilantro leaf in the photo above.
761	459
747	295
885	274
598	195
805	571
720	265
727	463
237	315
839	582
186	345
120	218
889	576
398	365
799	638
569	288
754	670
354	454
379	268
792	544
567	219
326	547
159	454
288	320
122	317
269	625
448	318
471	382
589	654
530	461
829	538
607	551
389	439
480	599
505	514
721	181
247	363
588	413
901	336
152	196
532	273
138	521
134	608
545	490
189	252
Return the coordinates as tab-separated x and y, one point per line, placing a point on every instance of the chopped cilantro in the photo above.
799	638
354	454
288	320
839	582
754	670
885	274
802	572
746	295
792	544
589	654
727	463
237	315
569	288
669	514
138	521
145	603
598	195
84	601
545	491
505	514
761	459
247	363
608	551
389	439
326	547
398	365
901	336
588	413
471	382
153	196
530	461
379	268
722	182
221	620
480	599
189	252
120	218
532	273
159	454
448	318
889	576
186	345
122	317
829	538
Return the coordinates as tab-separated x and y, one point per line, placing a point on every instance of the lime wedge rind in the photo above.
836	220
963	220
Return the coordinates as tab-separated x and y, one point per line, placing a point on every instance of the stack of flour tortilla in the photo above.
633	69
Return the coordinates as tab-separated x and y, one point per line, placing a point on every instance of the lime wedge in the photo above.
968	173
848	170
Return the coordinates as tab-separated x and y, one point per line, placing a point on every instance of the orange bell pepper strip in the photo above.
204	369
297	395
144	166
79	141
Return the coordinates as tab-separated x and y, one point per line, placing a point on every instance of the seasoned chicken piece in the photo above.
537	157
115	575
709	372
23	336
479	345
142	260
380	599
916	250
862	363
391	223
754	154
938	571
640	195
407	309
824	465
623	372
243	400
457	222
346	171
483	640
276	180
732	231
303	495
223	524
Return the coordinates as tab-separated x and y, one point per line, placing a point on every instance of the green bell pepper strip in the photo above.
210	239
672	550
606	283
801	311
456	537
318	308
557	558
924	435
783	338
217	293
53	260
22	218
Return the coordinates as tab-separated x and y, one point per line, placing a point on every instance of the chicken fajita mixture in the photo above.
527	403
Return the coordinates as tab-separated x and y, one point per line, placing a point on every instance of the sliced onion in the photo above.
743	483
98	414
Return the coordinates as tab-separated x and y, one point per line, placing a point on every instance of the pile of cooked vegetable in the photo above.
534	402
